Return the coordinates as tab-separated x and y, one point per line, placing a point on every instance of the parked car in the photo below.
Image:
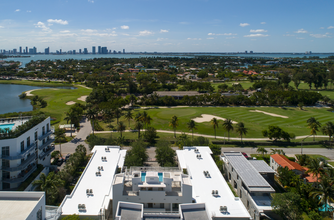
60	161
245	155
67	156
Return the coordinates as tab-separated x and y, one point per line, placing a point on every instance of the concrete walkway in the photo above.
69	147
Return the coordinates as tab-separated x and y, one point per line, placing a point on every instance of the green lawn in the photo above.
315	156
35	83
254	121
57	99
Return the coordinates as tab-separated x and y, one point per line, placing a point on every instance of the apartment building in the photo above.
248	178
24	142
194	190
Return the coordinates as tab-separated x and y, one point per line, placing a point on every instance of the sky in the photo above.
169	25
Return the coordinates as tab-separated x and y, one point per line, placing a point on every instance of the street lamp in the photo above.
301	143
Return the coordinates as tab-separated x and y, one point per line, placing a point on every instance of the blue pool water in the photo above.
143	176
10	126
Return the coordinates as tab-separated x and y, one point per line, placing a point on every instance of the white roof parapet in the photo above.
203	185
100	185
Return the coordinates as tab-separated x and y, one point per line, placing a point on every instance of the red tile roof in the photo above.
310	177
285	162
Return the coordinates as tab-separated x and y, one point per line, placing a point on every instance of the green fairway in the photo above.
57	99
254	121
35	83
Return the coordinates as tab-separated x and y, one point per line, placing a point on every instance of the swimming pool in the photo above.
143	176
10	126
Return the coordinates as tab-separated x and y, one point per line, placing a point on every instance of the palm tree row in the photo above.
315	125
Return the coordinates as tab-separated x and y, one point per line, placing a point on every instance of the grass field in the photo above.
35	83
254	121
57	99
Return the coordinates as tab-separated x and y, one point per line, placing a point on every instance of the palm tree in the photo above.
120	127
241	130
191	126
314	125
71	117
138	126
49	184
174	122
133	99
59	137
91	115
138	116
228	125
214	123
117	113
315	167
324	191
128	116
328	129
261	150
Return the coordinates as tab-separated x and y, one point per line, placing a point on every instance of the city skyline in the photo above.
169	26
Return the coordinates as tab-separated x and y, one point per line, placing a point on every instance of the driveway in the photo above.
69	147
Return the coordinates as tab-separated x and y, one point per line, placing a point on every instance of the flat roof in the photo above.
261	166
195	214
18	205
130	214
203	186
101	185
248	174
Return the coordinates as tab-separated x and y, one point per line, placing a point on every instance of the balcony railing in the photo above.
45	135
22	154
20	179
46	143
22	166
46	152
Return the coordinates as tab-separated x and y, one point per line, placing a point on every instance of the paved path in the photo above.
212	136
69	147
290	151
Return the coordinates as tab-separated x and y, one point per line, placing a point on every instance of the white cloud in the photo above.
300	38
301	31
65	31
125	27
225	34
91	32
161	39
263	22
288	35
243	24
88	30
17	10
28	11
194	38
230	37
2	27
322	28
91	1
330	27
210	38
258	31
145	33
163	31
257	35
58	21
319	35
126	34
42	26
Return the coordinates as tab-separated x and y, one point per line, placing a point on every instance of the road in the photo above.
69	147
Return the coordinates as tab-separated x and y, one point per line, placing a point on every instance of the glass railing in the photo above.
20	178
45	135
46	143
22	166
21	154
46	152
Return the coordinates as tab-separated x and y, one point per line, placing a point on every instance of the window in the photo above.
5	185
162	205
47	127
5	151
247	204
39	214
5	163
240	194
22	146
43	130
28	141
5	175
36	135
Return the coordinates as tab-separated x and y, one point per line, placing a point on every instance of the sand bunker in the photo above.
28	93
70	103
271	114
82	98
207	118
